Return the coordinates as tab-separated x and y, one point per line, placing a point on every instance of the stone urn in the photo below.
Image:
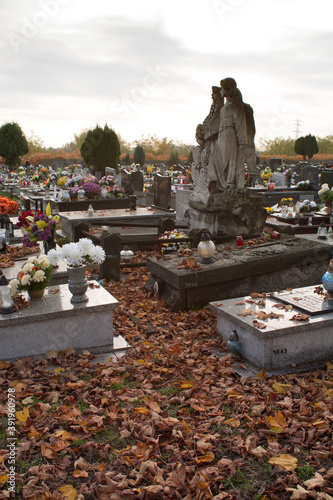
77	283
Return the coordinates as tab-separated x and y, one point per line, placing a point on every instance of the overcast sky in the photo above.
147	67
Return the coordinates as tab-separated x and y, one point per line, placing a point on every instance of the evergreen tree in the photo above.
139	155
127	159
306	146
101	148
174	157
13	144
190	158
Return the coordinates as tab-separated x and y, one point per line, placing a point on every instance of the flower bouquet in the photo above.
325	193
109	181
62	180
7	206
38	227
35	274
287	202
308	206
78	254
266	175
174	245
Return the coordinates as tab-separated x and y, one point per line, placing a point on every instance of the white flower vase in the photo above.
77	284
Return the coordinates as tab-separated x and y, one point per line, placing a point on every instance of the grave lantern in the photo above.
322	232
5	296
126	254
206	249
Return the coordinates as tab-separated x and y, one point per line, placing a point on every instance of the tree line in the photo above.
100	147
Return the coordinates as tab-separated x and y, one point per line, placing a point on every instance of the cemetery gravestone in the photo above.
326	177
162	192
274	163
279	179
137	180
126	182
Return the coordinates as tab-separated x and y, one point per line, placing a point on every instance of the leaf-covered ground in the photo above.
169	420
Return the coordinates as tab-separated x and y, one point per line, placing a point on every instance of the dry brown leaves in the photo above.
169	420
189	264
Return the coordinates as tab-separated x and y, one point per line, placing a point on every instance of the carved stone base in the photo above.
228	213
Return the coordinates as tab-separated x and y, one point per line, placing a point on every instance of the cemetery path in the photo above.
168	420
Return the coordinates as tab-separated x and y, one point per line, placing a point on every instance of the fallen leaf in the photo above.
288	462
299	317
68	492
315	482
259	324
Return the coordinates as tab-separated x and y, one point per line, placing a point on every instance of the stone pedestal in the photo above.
54	323
227	214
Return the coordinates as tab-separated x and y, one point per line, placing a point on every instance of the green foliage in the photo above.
13	143
305	472
35	143
277	146
174	157
139	155
101	148
300	147
190	157
306	146
127	159
164	146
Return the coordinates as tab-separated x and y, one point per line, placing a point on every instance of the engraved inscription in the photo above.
280	351
191	285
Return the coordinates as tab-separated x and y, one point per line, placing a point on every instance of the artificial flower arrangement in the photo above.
62	180
36	177
82	253
325	193
290	174
304	185
308	206
108	181
266	175
73	191
88	178
289	202
73	181
7	206
174	245
37	226
35	274
118	191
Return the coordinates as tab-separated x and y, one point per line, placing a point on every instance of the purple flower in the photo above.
91	188
41	235
26	241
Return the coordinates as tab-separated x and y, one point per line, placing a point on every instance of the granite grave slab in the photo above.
276	336
54	323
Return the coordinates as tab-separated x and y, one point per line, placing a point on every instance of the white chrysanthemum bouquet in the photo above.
35	274
77	254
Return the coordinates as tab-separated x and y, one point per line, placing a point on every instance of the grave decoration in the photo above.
110	187
7	207
77	256
37	226
33	277
326	196
174	245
